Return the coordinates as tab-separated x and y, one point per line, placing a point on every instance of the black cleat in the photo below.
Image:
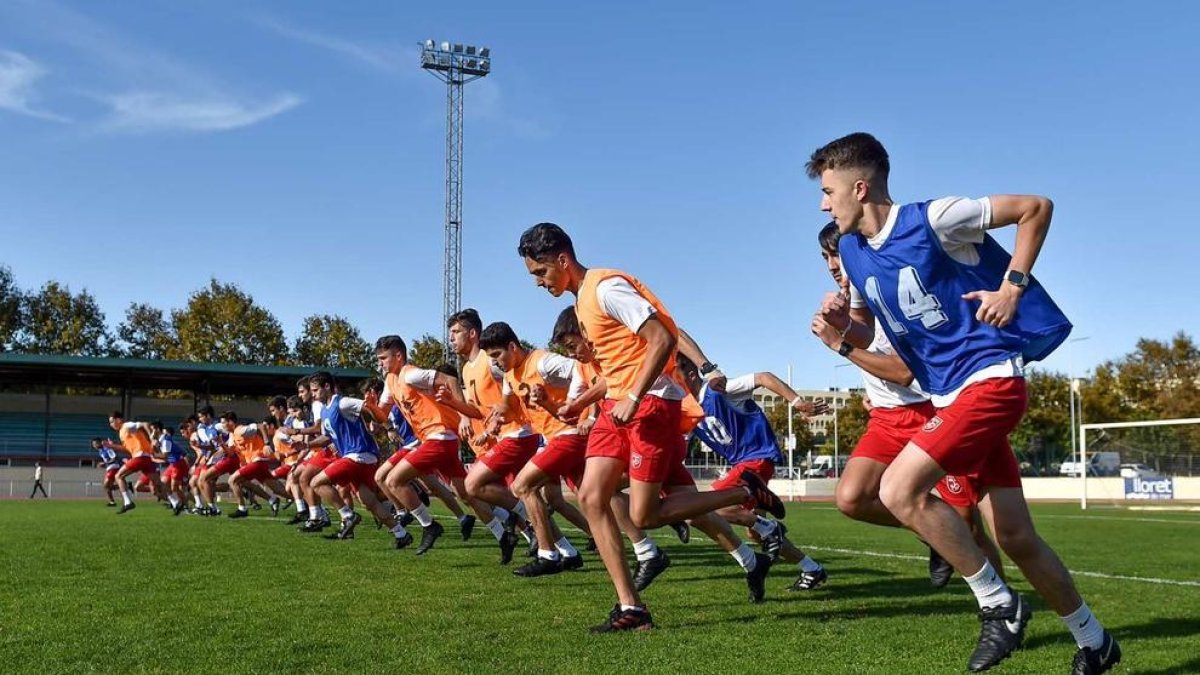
111	504
429	536
648	570
772	543
572	562
466	526
300	517
765	499
256	506
619	619
940	571
511	522
406	519
313	525
239	514
404	542
756	579
508	544
808	581
1090	661
683	531
531	550
127	507
591	545
346	531
539	567
1002	631
422	493
274	508
177	509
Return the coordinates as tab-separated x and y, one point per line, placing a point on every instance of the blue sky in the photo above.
296	148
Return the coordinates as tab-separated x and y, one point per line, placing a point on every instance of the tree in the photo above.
56	321
332	342
145	334
1043	436
10	308
777	416
851	424
427	352
222	324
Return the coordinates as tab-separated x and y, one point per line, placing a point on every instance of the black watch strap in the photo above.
845	348
707	367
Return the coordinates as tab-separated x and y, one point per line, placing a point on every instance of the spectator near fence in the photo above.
37	481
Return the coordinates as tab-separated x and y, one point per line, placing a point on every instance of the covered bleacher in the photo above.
51	406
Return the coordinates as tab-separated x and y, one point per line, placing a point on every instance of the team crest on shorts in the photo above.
933	423
953	485
636	460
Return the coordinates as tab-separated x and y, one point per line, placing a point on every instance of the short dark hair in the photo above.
374	384
157	424
229	415
206	410
685	364
169	431
191	419
269	421
544	241
858	150
97	440
565	326
295	402
278	402
390	342
117	415
498	335
303	382
468	317
828	238
322	378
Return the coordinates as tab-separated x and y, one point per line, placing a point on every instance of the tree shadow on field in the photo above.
1190	666
1162	627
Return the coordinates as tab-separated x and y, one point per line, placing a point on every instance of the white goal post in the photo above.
1083	431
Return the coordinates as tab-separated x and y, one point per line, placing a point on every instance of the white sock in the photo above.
273	500
346	512
497	527
199	501
745	557
564	547
1085	627
400	513
421	513
809	565
241	509
989	589
548	555
645	549
174	501
519	509
399	531
127	497
626	608
301	505
763	526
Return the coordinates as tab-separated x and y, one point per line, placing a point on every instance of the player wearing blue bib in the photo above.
735	428
172	454
110	463
924	269
343	424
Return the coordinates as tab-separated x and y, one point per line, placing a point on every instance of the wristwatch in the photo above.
707	367
845	348
1018	279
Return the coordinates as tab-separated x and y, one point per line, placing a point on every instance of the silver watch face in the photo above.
1017	278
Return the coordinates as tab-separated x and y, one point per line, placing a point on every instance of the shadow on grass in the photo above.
913	609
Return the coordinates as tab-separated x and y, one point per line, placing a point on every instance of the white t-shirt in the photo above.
737	388
37	473
882	393
960	224
621	301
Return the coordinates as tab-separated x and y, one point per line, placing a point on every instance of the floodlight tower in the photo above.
456	65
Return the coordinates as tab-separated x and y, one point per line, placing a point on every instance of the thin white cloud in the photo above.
18	75
147	111
388	58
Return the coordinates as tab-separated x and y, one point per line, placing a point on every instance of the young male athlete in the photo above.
250	443
638	431
898	410
174	456
289	455
414	390
213	443
737	429
135	440
313	462
926	271
110	463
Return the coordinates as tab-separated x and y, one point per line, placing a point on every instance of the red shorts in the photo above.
228	464
345	471
397	456
650	444
144	480
281	472
110	474
763	468
141	463
564	456
890	429
437	456
177	471
255	471
320	460
959	491
970	436
198	469
510	455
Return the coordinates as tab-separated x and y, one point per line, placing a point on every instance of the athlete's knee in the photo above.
1018	541
853	501
644	515
899	498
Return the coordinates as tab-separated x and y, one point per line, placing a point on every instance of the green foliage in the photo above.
10	308
145	333
57	321
332	342
222	324
777	415
427	351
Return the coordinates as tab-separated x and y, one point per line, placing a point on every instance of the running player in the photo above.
173	455
735	428
638	431
925	269
111	463
209	442
135	440
898	410
250	443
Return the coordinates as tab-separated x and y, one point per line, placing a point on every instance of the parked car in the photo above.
1137	471
1099	464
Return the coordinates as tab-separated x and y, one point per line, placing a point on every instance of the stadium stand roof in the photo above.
202	378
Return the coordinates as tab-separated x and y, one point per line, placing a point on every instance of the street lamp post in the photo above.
1071	368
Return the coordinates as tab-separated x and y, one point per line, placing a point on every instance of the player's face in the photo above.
296	412
114	423
551	275
304	394
503	358
389	360
205	418
228	425
579	348
322	394
463	339
843	192
833	263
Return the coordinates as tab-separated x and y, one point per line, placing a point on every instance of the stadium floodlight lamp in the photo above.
470	50
458	48
485	52
445	46
485	66
429	44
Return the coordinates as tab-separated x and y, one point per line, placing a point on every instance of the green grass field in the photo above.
88	591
